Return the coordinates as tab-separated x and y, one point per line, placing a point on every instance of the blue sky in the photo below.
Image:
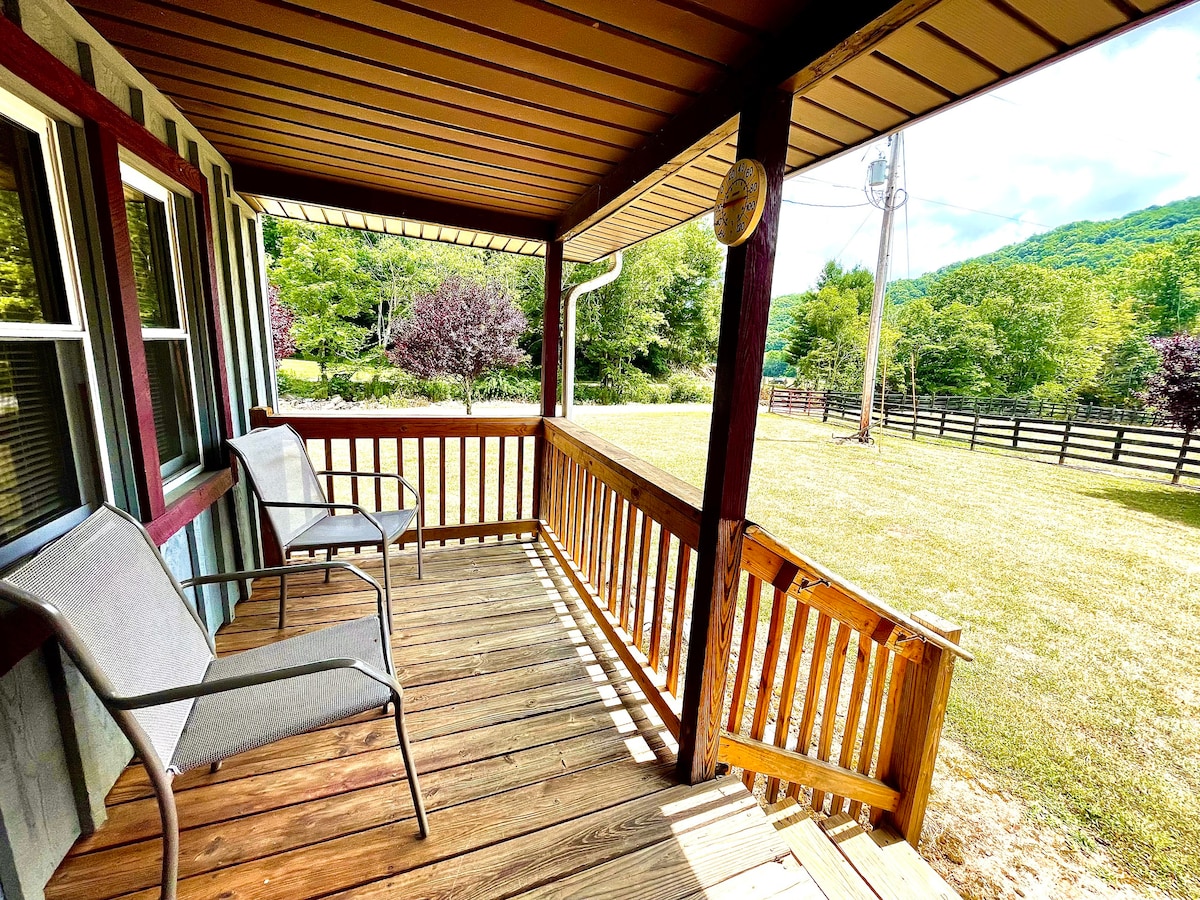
1108	131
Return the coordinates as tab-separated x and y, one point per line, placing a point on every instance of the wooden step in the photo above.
817	854
891	865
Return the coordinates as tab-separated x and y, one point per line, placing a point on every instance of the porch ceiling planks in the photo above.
598	123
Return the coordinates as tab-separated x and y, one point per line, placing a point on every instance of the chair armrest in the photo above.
220	685
400	478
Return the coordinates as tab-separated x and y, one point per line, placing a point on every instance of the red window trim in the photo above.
108	128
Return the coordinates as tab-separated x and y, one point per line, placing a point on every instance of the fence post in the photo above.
1116	454
974	429
1183	454
1016	432
1066	442
942	426
918	731
825	407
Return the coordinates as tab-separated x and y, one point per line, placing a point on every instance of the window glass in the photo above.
31	281
171	398
149	240
38	481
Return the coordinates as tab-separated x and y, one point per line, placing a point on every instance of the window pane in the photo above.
171	397
38	481
31	284
151	248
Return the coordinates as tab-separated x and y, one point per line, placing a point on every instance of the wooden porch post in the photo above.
762	135
551	327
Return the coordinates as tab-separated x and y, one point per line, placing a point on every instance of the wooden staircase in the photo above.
849	862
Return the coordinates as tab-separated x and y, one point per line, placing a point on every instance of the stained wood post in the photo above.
112	229
551	335
762	135
920	715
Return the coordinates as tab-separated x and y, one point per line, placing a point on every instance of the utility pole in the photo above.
881	271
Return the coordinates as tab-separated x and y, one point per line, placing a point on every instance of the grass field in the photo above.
1079	594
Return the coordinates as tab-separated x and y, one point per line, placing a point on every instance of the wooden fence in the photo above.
1160	451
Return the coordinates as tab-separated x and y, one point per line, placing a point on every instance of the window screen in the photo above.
38	481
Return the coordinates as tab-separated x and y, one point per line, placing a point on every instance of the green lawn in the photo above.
1079	594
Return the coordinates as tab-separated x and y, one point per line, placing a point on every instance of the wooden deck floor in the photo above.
544	773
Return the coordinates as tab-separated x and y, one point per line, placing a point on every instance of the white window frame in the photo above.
90	449
153	188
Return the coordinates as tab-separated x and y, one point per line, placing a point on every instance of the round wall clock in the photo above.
740	202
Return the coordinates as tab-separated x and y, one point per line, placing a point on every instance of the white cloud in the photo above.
1108	131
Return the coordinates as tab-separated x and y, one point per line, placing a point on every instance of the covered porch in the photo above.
543	661
610	672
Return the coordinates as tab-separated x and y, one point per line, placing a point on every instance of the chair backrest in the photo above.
107	594
280	471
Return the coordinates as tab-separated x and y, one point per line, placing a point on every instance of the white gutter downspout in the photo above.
573	295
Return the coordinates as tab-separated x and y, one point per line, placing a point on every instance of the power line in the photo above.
826	205
970	209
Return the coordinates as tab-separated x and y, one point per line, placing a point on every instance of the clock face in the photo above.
740	202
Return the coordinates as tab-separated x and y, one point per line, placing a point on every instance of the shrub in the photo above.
688	388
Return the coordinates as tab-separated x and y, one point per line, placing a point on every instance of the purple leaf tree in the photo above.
282	318
1174	389
462	330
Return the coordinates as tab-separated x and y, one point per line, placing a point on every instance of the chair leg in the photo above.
282	601
328	558
411	771
170	832
387	584
420	544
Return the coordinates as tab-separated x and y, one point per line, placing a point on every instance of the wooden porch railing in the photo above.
831	697
839	699
475	475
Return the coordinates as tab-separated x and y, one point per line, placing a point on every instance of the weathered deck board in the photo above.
545	770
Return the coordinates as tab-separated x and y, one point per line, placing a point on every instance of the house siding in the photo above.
60	752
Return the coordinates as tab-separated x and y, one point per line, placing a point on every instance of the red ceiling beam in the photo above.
298	187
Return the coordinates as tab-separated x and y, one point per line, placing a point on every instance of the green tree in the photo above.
321	278
827	340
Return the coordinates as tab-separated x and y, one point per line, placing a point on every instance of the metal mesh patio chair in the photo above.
302	518
108	596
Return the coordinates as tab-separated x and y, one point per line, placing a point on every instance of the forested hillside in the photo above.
1093	245
1067	315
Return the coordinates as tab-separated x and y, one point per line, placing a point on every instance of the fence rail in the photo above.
1161	451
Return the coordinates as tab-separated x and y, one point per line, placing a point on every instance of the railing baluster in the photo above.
354	481
627	566
639	613
442	483
521	477
500	489
678	612
787	691
421	480
741	682
602	551
766	679
891	710
462	484
866	752
378	468
660	595
833	692
853	712
482	481
812	691
614	563
593	546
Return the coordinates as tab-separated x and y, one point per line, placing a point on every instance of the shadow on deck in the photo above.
545	771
